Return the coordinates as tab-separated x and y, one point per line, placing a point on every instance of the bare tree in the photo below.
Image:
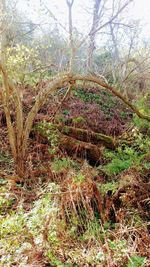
3	28
70	5
97	25
97	10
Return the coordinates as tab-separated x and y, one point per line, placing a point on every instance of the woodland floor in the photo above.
85	201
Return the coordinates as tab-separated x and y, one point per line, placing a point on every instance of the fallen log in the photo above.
87	136
77	142
81	134
75	148
80	149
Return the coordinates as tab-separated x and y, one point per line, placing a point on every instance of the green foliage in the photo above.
118	245
3	181
141	144
124	157
144	107
59	165
103	60
124	115
19	228
93	230
116	166
120	161
5	158
60	118
79	178
100	99
21	60
119	248
41	207
103	57
51	133
66	112
134	217
100	256
106	106
112	186
147	165
143	125
136	261
5	203
55	262
87	96
12	224
79	119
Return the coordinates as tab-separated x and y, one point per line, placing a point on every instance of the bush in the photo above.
21	60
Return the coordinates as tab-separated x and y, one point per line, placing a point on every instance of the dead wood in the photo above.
81	149
80	142
87	136
82	134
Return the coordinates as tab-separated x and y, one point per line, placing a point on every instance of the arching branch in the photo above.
113	91
40	100
57	83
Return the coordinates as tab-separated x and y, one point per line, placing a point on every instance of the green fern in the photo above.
136	261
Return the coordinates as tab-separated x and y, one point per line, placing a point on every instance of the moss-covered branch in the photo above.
87	136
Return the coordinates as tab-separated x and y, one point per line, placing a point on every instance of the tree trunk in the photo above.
115	53
20	166
71	43
2	30
92	35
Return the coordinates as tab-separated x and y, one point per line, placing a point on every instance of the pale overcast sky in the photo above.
139	9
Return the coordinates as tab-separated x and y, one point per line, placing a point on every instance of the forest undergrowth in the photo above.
86	197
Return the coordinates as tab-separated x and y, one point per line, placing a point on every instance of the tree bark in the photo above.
2	30
71	43
83	150
92	36
88	136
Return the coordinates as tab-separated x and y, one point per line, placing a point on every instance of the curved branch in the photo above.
42	96
113	91
57	83
40	100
